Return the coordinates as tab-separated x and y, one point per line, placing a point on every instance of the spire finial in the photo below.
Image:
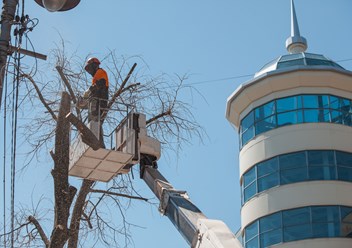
296	43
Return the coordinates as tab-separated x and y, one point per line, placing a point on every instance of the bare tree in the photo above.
84	213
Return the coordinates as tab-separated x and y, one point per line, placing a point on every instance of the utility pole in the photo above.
7	16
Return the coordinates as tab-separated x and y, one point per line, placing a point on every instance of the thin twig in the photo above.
118	194
40	95
118	92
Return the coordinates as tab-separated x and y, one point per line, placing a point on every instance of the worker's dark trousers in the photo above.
96	108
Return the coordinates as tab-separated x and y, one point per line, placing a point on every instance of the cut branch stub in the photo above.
40	230
87	135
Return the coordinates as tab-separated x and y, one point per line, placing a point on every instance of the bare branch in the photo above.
16	229
37	225
68	85
118	92
40	95
118	194
154	118
87	218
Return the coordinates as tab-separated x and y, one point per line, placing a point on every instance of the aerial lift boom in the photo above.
132	146
195	227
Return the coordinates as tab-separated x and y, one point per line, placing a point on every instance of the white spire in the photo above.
296	43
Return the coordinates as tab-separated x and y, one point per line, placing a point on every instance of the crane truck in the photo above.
132	146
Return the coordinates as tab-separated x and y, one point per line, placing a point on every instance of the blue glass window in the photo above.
293	175
250	191
289	118
346	119
344	158
325	214
251	231
250	184
249	177
297	216
344	173
344	165
247	122
299	232
268	167
321	157
270	222
248	135
265	110
297	167
336	117
346	214
295	110
322	173
293	168
289	104
345	104
268	182
316	115
253	243
290	63
268	174
265	125
298	224
318	62
270	238
334	102
310	101
292	160
323	230
321	165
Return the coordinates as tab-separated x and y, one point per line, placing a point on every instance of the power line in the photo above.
4	155
343	60
241	76
219	79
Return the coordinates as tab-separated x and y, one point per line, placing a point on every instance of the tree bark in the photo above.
63	191
78	212
41	232
87	135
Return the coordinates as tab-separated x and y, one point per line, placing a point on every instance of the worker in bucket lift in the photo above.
99	90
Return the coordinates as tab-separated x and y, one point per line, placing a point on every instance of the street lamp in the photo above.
58	5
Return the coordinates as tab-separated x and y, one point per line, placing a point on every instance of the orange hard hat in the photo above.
90	61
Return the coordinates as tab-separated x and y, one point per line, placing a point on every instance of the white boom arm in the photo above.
194	226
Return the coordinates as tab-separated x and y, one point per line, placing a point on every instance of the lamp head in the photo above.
57	5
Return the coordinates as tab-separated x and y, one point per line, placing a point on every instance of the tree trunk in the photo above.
78	212
64	193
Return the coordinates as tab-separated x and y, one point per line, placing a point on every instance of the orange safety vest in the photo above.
100	74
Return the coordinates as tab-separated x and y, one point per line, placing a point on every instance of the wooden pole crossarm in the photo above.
12	49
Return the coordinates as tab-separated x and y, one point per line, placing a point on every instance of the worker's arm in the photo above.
101	83
99	86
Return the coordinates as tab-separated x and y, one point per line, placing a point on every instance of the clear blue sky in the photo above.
211	40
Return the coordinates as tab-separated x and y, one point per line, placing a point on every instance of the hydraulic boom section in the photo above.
193	225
